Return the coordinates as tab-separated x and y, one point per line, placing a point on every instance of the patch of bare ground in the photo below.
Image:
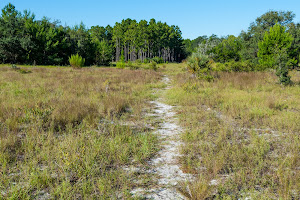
164	167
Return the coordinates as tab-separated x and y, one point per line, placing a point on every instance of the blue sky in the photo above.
195	18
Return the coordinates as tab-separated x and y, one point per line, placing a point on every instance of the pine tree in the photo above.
273	51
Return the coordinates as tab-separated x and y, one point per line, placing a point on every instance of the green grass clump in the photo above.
158	60
153	66
120	65
76	61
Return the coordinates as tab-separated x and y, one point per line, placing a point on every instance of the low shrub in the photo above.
153	65
237	66
138	61
131	65
200	65
146	60
120	65
240	66
220	67
76	61
158	60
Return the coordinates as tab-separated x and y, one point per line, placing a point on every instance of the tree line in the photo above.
271	42
245	47
25	40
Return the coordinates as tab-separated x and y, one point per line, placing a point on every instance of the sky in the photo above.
194	18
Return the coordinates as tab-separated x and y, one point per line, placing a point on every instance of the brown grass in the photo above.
61	135
242	130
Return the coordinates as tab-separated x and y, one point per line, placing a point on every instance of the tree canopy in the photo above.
276	42
246	46
23	39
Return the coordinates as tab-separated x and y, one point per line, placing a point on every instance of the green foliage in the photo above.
14	67
273	52
131	65
275	43
228	49
206	47
101	37
145	40
153	66
146	60
82	43
50	45
235	66
158	60
282	72
197	62
13	39
294	30
120	65
104	53
23	39
200	65
138	61
121	62
122	58
76	61
257	29
191	45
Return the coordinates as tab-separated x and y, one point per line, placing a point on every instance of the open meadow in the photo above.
242	134
63	134
140	109
69	133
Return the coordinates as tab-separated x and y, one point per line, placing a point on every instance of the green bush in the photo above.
259	67
283	74
131	65
221	67
158	60
153	65
146	60
200	65
128	64
138	61
240	66
121	65
197	62
237	66
76	61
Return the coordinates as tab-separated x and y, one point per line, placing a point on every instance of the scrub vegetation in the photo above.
76	132
64	133
242	135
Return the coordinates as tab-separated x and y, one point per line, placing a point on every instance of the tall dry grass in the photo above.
242	135
61	135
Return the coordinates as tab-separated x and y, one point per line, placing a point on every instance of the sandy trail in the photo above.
165	164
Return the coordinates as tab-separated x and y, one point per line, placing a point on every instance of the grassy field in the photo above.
242	135
64	132
70	134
